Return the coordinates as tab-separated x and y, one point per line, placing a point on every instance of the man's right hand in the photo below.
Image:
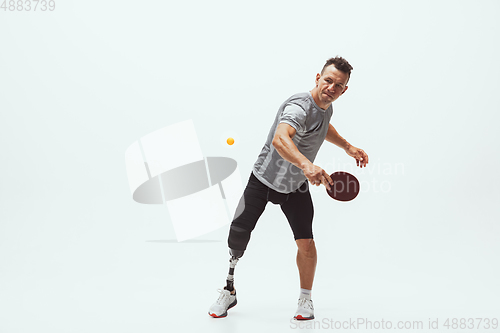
317	175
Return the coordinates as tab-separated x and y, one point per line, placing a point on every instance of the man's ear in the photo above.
318	76
345	89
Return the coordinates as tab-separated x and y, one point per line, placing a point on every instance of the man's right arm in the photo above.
283	143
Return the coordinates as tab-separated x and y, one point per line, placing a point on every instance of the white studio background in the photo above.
79	84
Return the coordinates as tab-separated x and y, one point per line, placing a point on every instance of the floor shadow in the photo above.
186	241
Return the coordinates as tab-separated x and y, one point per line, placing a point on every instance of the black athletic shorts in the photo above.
297	206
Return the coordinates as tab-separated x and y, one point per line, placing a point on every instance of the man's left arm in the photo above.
334	137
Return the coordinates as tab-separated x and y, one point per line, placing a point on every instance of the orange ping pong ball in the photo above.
230	141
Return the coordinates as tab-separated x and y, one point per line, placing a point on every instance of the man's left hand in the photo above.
358	154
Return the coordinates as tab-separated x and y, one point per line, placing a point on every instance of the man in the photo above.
280	175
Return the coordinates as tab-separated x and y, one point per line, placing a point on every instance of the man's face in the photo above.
331	84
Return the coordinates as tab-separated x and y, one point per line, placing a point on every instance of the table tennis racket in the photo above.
345	186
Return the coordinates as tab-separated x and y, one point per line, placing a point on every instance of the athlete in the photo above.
280	175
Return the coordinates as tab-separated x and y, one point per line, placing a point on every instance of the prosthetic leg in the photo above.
235	256
237	241
227	298
239	236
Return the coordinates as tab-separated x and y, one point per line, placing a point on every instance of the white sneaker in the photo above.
305	310
225	302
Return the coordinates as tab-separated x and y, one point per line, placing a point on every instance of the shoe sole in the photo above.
299	317
232	305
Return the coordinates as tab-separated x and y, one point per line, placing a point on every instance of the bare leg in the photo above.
306	262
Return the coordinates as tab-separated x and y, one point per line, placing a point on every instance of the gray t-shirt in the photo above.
311	125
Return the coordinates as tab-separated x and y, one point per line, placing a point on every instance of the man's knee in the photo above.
306	246
238	240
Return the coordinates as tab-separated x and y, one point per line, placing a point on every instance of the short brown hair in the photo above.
340	63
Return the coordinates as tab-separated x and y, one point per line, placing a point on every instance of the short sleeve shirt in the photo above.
311	124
